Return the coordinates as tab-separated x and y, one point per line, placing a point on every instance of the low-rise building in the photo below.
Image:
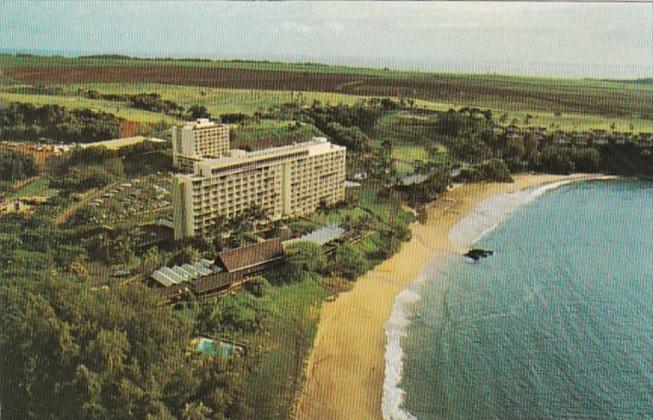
251	259
39	151
283	181
116	144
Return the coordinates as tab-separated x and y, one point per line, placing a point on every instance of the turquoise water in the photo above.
557	324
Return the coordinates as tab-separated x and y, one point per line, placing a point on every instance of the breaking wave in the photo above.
489	214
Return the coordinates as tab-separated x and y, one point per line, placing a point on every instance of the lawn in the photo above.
409	152
385	209
405	128
405	154
38	187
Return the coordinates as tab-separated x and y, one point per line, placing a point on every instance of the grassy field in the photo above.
37	187
405	124
218	101
608	98
118	109
385	209
577	122
221	101
405	128
405	154
409	153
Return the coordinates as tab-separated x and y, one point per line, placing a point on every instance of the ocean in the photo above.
558	323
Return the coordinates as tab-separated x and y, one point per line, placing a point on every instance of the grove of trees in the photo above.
69	351
24	121
16	166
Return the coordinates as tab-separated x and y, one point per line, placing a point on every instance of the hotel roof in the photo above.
201	123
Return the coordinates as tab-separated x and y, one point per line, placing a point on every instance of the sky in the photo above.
612	40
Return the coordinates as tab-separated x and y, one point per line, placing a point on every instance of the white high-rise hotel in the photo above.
284	181
197	140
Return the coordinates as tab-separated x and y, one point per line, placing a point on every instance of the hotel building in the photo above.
197	140
284	181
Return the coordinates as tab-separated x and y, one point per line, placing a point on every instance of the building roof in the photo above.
236	159
250	255
201	123
115	144
215	281
316	146
167	277
320	236
413	179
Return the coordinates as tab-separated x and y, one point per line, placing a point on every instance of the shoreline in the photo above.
345	374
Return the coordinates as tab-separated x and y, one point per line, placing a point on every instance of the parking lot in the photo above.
134	199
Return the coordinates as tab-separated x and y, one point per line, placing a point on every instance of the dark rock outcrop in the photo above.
477	253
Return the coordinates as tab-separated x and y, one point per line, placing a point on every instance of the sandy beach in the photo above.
345	372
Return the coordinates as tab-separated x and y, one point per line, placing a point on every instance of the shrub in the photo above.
258	286
349	262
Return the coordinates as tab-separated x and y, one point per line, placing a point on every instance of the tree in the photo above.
9	243
151	259
84	216
586	159
198	111
514	151
194	411
348	262
233	118
451	123
21	121
186	255
470	148
304	258
242	313
351	137
556	160
495	170
384	168
15	165
437	180
88	353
